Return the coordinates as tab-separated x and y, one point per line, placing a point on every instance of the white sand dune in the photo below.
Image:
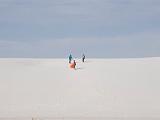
99	88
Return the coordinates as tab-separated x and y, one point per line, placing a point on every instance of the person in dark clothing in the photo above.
70	58
83	57
74	62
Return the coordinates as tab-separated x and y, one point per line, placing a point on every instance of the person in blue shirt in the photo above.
70	58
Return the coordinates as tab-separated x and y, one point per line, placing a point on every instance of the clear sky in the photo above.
98	28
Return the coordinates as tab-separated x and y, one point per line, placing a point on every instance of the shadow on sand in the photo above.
87	61
79	68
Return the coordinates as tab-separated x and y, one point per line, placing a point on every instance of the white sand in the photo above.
99	88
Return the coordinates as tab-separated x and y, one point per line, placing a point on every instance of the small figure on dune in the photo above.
83	58
70	58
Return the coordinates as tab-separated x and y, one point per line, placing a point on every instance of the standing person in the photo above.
70	58
74	62
83	57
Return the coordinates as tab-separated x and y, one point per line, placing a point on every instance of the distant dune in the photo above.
98	88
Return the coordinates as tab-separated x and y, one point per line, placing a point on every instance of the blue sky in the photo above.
98	28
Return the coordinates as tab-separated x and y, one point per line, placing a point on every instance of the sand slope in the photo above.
98	88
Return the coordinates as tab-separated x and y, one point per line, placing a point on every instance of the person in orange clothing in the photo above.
73	65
